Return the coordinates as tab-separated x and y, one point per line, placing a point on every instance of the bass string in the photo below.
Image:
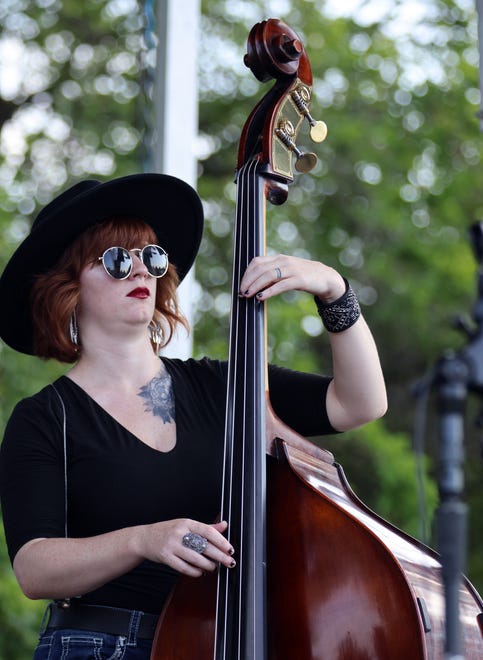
249	422
240	425
224	585
241	258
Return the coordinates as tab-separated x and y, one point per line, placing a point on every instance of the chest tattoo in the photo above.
159	398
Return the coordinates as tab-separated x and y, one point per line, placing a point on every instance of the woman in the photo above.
110	477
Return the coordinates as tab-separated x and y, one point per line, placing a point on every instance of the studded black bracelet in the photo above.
340	314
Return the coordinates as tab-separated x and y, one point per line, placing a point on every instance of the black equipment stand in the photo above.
454	376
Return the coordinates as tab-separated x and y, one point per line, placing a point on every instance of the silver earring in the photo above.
156	334
73	329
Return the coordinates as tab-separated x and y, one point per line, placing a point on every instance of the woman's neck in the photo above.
128	364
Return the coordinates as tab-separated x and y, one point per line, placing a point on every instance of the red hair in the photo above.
55	293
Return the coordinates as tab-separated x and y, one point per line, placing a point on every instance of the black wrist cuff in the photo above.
340	314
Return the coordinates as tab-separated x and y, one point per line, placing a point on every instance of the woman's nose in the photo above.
138	267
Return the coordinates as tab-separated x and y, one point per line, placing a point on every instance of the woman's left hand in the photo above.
271	275
357	393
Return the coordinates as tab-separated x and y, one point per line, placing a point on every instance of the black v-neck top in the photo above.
115	480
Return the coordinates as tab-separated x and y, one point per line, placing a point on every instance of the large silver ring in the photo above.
278	273
195	542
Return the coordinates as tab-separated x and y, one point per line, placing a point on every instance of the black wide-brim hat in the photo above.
168	205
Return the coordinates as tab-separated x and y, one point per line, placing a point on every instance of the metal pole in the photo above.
175	98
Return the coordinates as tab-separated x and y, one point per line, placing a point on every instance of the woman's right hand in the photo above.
163	543
67	567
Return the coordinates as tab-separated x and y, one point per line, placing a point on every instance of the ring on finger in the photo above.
195	542
278	273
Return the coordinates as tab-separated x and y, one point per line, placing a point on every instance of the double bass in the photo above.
319	576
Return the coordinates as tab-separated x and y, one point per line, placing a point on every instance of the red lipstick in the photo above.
140	292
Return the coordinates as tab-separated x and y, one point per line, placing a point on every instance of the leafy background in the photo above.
395	191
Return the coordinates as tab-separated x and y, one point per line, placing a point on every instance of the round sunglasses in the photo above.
118	262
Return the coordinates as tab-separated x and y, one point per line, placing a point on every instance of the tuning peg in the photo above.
318	129
305	161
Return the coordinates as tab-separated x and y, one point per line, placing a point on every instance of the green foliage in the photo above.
18	377
382	470
19	619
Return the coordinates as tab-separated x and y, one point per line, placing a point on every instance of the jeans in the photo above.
85	645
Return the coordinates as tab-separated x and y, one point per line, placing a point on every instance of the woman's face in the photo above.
113	306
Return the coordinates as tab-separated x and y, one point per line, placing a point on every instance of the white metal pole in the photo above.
176	120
